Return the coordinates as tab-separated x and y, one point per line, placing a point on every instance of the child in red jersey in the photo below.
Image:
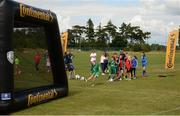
37	59
120	68
128	68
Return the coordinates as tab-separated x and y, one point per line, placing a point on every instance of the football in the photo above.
77	76
82	78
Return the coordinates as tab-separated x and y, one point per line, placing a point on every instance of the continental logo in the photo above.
29	11
39	97
170	63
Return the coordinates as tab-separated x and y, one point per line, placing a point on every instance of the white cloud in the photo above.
159	17
156	16
163	6
64	23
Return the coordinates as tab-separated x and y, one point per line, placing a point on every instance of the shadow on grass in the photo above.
168	75
98	84
74	92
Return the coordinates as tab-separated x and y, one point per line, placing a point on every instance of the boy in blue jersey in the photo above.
134	63
144	64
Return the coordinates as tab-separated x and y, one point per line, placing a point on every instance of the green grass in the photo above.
151	95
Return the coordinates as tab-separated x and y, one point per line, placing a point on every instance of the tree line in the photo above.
83	37
29	38
110	35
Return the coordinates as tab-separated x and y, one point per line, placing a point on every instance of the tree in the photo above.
77	32
119	41
90	31
71	38
133	33
156	47
29	38
108	35
110	28
101	36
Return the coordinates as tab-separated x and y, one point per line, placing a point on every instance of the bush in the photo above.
140	47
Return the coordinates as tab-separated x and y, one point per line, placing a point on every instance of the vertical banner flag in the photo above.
171	49
64	38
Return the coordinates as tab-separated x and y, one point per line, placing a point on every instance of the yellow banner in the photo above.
64	39
171	49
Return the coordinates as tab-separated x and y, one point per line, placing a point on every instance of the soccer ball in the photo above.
82	78
111	80
77	76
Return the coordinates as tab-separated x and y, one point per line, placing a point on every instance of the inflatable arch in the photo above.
14	14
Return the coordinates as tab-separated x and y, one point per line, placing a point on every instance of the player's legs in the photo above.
37	66
134	72
144	71
91	77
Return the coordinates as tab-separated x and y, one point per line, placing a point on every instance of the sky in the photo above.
156	16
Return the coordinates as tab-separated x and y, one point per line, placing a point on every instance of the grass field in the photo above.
148	96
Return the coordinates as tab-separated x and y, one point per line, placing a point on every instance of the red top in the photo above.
37	58
121	63
128	64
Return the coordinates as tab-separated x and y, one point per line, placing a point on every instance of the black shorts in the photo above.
70	67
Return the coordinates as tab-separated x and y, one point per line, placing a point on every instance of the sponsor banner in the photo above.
41	96
64	39
171	49
31	12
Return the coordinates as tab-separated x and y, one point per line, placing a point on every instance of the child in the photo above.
112	69
65	60
18	70
102	63
37	59
134	63
128	67
95	72
48	64
71	70
120	68
144	64
92	58
106	62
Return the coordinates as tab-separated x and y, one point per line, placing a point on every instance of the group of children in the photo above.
119	67
37	60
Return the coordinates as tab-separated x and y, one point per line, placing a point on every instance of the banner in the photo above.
171	49
64	39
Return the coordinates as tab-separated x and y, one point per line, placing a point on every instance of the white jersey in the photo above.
102	59
93	57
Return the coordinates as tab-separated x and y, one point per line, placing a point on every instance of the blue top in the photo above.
134	63
68	58
144	61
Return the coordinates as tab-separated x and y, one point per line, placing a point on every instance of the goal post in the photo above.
12	15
